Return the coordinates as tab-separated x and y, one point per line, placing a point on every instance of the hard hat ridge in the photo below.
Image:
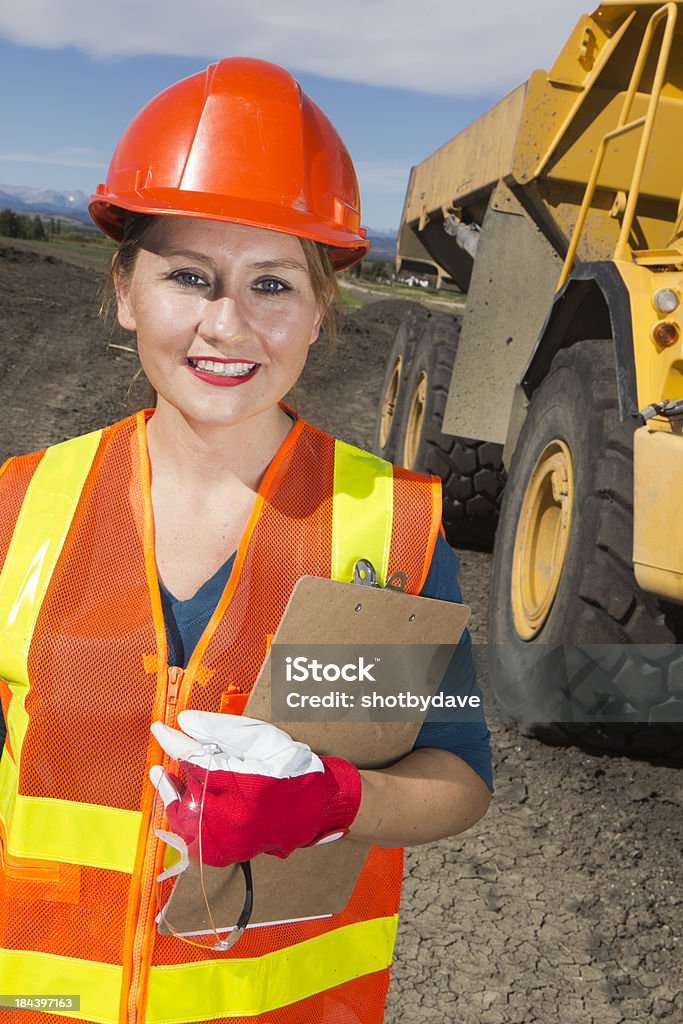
240	142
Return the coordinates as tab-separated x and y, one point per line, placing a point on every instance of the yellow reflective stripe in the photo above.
39	534
48	829
238	987
212	988
64	830
8	771
362	510
8	788
42	974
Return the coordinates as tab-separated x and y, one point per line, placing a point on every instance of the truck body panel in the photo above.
520	174
512	286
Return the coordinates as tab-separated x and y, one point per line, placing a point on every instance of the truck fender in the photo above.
593	303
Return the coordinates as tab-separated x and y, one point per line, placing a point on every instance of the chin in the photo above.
220	414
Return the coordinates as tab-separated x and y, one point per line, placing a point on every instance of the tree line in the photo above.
22	225
373	270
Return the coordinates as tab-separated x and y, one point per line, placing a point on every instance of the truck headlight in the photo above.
665	300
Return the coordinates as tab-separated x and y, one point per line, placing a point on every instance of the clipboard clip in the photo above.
364	575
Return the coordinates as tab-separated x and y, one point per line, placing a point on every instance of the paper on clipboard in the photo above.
318	881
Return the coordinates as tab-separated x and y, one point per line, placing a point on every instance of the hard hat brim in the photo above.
344	247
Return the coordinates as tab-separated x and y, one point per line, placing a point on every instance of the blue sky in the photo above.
71	79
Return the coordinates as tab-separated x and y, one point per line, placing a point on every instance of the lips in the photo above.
222	372
226	368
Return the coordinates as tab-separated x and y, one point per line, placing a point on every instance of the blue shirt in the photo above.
186	621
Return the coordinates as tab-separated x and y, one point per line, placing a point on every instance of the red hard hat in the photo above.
239	142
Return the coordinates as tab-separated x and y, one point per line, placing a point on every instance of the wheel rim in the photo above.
542	538
415	421
389	401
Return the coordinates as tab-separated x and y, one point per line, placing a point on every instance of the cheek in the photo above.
164	321
291	331
292	346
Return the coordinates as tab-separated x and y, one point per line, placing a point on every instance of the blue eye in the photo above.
188	279
272	286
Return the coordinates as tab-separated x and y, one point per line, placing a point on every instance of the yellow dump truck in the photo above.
552	408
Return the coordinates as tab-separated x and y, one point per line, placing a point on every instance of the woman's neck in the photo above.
195	454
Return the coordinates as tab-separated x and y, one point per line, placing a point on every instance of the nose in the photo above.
222	321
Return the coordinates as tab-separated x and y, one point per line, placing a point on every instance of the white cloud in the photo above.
82	152
386	176
450	47
72	157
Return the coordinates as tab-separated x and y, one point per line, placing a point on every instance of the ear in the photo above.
122	284
318	322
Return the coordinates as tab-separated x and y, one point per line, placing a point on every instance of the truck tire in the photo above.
577	651
396	372
471	471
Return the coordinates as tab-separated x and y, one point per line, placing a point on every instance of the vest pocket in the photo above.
29	878
233	702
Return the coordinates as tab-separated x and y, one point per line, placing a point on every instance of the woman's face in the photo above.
224	315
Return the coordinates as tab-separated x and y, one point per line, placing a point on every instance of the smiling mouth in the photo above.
222	369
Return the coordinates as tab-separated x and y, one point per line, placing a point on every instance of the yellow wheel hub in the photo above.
542	538
415	421
389	402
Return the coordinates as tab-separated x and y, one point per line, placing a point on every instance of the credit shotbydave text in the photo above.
341	699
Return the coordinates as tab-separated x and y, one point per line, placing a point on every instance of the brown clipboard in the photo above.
318	881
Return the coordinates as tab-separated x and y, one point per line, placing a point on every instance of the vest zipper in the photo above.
174	679
174	676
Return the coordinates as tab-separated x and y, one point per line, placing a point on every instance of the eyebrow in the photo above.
286	264
189	254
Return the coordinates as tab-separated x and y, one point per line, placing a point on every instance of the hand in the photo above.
263	792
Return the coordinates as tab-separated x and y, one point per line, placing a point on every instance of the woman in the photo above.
234	200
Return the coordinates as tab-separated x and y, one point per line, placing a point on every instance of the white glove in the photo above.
254	788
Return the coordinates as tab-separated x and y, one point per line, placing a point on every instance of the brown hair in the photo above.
323	278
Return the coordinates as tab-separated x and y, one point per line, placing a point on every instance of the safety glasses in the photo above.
196	903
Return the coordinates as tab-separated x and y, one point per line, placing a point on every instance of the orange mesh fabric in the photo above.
93	698
97	608
411	550
15	476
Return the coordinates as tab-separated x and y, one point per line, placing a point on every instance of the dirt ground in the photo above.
564	905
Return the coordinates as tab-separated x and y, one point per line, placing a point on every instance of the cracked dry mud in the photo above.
564	905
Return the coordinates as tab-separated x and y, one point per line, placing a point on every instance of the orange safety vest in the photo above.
84	673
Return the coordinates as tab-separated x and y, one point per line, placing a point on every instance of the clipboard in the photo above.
317	881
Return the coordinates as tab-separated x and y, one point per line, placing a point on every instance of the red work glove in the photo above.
262	791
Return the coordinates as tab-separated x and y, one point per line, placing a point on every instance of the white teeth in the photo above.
223	369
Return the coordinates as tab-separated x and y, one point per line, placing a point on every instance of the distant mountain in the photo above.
382	243
74	205
22	199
